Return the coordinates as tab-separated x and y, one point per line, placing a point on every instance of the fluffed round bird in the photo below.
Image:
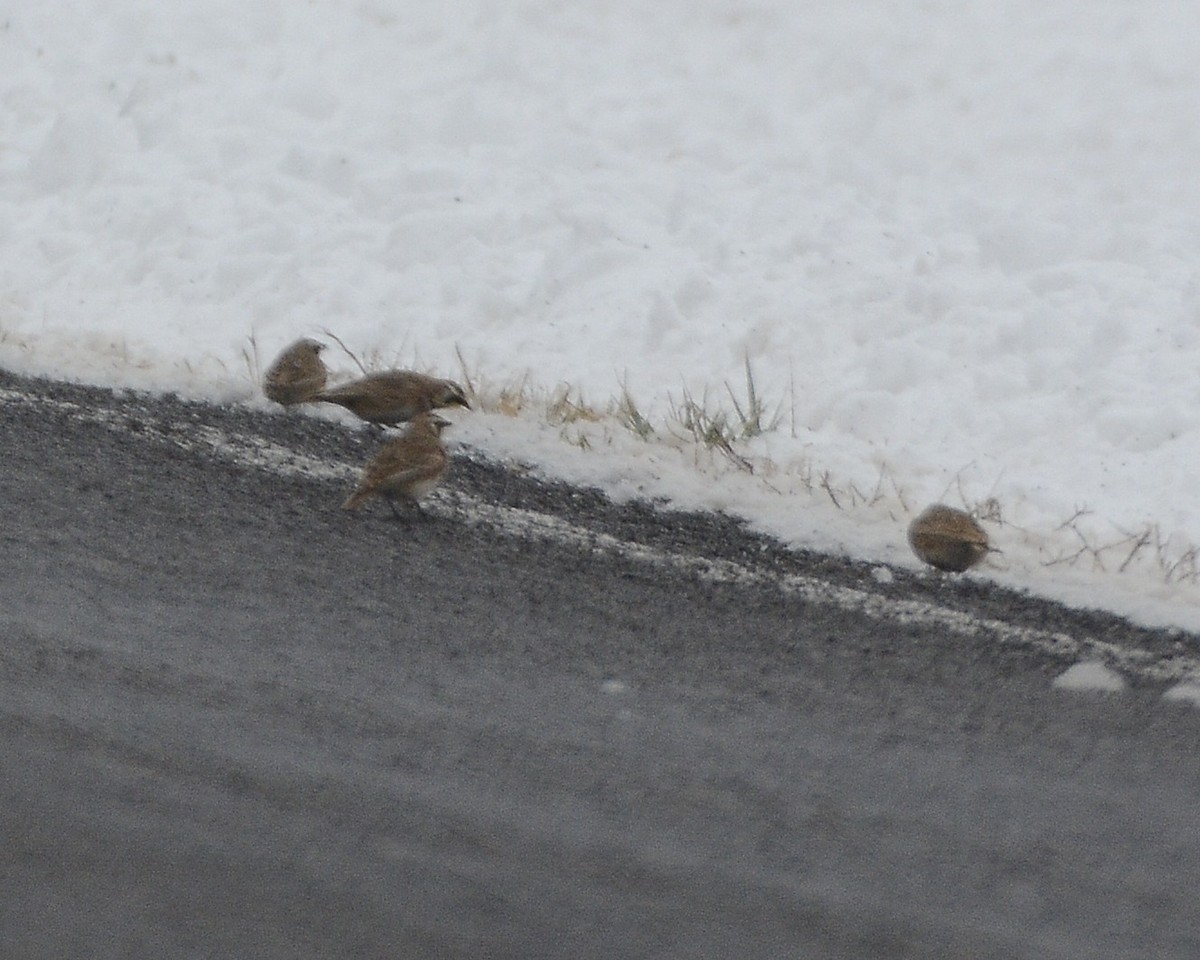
406	468
297	375
394	396
948	539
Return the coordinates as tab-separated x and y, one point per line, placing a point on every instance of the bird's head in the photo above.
431	422
452	395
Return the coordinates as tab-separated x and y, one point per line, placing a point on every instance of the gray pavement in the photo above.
239	723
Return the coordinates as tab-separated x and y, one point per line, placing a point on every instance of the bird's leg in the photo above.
391	502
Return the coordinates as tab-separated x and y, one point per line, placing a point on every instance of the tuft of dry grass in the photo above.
720	428
629	415
1177	562
751	418
564	408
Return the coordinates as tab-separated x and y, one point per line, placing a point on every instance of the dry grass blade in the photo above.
251	357
472	393
345	349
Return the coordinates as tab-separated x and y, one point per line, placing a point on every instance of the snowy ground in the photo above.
955	242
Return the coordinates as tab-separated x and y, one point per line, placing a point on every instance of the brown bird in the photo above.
406	468
948	539
394	396
297	374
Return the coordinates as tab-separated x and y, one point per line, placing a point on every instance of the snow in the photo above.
1183	693
1090	677
614	687
956	243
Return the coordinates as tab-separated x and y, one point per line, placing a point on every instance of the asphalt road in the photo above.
239	723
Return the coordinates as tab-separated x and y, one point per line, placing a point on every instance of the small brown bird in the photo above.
948	539
394	396
406	468
297	374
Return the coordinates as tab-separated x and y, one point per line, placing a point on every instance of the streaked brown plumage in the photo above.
297	374
948	539
406	468
394	396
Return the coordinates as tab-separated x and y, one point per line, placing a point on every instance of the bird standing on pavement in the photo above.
406	468
297	374
948	539
394	396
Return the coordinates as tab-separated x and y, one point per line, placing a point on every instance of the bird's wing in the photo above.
405	459
346	391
